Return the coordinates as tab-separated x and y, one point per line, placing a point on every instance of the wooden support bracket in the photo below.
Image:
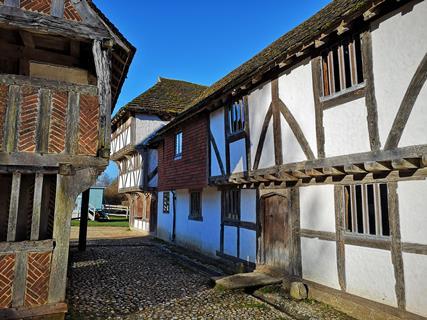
354	169
66	169
374	166
405	164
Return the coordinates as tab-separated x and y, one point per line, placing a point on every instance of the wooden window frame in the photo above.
231	195
178	147
329	75
166	207
350	201
236	117
192	215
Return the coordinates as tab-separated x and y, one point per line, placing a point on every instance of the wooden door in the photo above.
276	231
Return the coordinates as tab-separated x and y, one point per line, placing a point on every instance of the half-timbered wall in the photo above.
122	137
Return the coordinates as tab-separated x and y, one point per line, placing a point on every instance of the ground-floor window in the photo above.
231	204
195	205
366	209
166	202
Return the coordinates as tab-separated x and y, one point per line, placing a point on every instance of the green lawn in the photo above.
113	222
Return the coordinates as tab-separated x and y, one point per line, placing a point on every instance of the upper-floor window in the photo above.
166	202
366	209
178	145
195	205
231	204
342	66
236	116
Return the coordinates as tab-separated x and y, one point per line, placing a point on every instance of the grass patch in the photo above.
113	222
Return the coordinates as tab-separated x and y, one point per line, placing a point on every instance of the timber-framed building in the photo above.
311	160
62	66
132	128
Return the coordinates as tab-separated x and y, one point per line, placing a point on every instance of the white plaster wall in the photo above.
370	274
296	91
398	46
164	220
218	132
146	126
202	236
238	161
319	261
230	241
317	208
346	129
267	156
248	245
259	101
248	205
415	267
413	211
291	149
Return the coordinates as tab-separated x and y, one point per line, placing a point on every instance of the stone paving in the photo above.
135	279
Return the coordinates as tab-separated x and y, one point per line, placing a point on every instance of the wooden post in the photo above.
84	213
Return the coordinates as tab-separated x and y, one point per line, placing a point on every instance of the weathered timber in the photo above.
12	3
343	97
374	166
316	234
26	246
248	134
367	241
12	119
415	248
73	118
19	282
37	207
370	98
102	58
57	9
15	18
408	102
339	235
317	92
35	312
405	164
295	222
354	169
13	207
84	215
262	137
217	154
277	128
43	123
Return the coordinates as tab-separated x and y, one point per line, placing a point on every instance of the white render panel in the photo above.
296	91
267	156
346	129
415	267
238	156
146	126
248	205
164	220
291	149
230	241
413	211
248	245
398	44
259	101
319	262
370	274
218	132
317	208
202	236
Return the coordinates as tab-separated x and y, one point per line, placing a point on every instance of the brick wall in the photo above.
38	272
190	172
28	120
70	12
41	6
88	129
7	275
3	102
58	122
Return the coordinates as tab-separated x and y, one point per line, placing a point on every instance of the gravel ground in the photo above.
137	280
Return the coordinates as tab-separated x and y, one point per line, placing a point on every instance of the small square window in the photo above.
236	117
195	205
178	145
366	209
166	202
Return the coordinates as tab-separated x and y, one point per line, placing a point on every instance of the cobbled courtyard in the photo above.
136	279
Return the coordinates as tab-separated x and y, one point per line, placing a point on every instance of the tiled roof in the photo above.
167	97
324	21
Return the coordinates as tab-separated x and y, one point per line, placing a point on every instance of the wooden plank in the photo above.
57	9
26	246
34	312
19	283
37	205
408	102
43	123
367	241
73	119
12	119
295	221
248	135
317	89
316	234
262	137
339	235
396	245
84	215
277	127
338	99
370	98
13	207
415	248
15	18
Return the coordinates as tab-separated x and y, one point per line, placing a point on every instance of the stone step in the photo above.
245	280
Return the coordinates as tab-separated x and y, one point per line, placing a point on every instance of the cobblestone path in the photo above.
137	280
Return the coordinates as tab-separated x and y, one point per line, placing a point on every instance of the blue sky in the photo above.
198	41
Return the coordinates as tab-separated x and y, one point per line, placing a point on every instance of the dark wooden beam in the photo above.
262	137
84	215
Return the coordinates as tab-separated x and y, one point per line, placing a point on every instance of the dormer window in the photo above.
342	67
236	117
178	145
